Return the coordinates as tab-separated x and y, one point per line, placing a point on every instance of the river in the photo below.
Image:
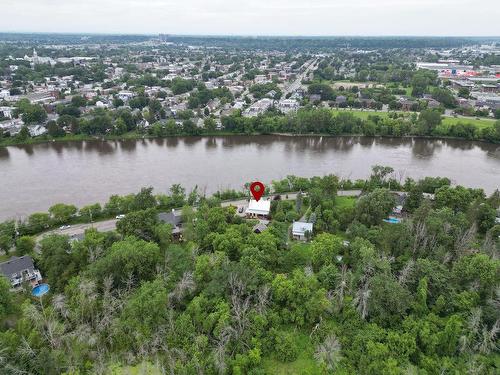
33	177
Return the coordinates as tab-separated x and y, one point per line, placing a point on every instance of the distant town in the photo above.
166	85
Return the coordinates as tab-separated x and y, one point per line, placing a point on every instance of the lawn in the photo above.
304	364
342	202
361	114
143	368
481	123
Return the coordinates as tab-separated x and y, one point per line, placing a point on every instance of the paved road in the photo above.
77	229
311	64
109	225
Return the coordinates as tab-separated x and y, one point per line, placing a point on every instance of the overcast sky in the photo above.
254	17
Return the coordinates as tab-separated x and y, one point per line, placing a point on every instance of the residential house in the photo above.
407	104
36	130
7	111
259	228
20	269
258	107
174	218
258	209
302	230
288	105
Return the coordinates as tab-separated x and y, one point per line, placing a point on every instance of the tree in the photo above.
33	113
6	243
325	247
444	96
428	120
388	300
56	261
143	313
464	92
61	213
117	102
299	298
130	258
144	199
36	223
286	346
328	353
23	134
458	198
25	245
380	174
78	101
189	127
476	270
54	130
210	125
497	114
90	212
6	301
139	223
375	206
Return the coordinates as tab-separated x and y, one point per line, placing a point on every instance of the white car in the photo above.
118	217
63	227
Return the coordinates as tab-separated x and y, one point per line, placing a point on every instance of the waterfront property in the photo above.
258	209
173	218
20	269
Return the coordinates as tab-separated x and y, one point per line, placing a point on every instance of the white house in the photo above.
288	105
125	95
300	230
258	107
7	111
36	130
258	209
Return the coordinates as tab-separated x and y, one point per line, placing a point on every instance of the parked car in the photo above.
118	217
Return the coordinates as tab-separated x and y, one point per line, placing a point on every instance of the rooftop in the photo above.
302	227
261	207
16	265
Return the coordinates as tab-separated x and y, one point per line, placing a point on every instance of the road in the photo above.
109	225
78	229
298	81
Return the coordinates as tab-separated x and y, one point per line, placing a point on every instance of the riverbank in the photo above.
138	136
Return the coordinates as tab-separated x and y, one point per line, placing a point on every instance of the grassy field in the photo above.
481	122
140	369
304	364
361	114
447	121
342	202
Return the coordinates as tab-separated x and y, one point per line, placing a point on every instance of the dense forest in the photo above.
263	42
361	296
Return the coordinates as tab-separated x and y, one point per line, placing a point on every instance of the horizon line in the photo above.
249	35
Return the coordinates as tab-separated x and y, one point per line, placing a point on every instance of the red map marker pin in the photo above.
257	188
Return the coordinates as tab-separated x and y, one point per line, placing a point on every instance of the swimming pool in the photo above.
40	290
392	220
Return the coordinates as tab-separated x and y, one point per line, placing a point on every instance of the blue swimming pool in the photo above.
392	220
40	290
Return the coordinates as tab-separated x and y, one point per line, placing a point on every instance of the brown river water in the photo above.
33	177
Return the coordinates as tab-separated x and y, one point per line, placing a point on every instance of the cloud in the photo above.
255	17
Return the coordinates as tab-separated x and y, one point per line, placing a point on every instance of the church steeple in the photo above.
35	56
